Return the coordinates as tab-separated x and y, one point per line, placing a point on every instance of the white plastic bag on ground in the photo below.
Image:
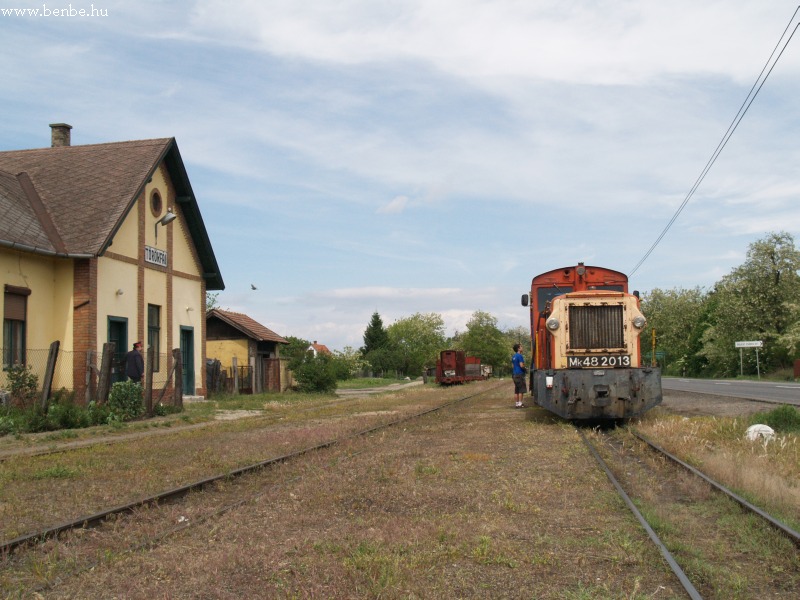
754	432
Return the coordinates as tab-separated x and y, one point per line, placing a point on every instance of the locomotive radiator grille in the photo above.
596	327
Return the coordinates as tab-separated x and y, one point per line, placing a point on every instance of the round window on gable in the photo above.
156	205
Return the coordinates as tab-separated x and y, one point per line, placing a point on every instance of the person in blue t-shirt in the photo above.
518	371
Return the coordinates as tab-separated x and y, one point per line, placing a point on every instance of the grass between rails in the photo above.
368	382
765	472
726	553
89	479
480	501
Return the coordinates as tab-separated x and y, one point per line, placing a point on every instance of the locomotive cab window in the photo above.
545	295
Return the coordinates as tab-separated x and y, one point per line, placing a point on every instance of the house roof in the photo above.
320	348
71	200
19	224
251	328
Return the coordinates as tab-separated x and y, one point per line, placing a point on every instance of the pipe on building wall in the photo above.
42	251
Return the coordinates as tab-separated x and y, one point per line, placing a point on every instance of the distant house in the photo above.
316	348
102	243
234	338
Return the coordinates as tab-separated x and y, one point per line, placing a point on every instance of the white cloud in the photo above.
395	206
486	40
503	139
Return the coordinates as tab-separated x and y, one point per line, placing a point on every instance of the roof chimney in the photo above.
59	134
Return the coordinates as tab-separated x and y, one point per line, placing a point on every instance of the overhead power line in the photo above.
751	96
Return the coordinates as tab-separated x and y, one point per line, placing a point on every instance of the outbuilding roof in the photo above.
250	327
71	200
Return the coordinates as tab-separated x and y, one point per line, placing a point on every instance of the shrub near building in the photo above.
316	374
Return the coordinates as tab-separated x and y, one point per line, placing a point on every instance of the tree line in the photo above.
696	329
405	348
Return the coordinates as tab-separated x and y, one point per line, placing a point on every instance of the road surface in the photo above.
766	391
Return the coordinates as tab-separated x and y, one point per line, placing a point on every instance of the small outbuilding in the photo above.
247	351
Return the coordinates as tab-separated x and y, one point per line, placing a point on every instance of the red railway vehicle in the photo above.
454	366
587	360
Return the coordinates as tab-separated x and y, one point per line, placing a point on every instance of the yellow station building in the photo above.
103	243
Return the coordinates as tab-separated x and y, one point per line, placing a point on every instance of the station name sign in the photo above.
756	344
159	257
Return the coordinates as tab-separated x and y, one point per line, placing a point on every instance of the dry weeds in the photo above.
480	501
765	472
89	479
726	553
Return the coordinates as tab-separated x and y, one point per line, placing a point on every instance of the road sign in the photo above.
756	344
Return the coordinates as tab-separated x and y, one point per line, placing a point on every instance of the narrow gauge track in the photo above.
688	586
95	519
772	521
71	446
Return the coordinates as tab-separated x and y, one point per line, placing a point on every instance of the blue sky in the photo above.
433	155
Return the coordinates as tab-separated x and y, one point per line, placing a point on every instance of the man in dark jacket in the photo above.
134	363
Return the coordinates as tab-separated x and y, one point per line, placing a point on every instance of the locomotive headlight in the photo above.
552	323
639	321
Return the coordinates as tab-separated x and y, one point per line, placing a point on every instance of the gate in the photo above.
271	374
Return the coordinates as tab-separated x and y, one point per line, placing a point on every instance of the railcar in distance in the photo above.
587	360
454	366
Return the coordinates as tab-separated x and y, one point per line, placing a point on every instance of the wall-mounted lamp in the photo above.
189	309
120	291
168	218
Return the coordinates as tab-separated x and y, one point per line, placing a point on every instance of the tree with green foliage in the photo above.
375	336
211	301
377	346
295	350
484	340
756	301
348	363
415	342
675	316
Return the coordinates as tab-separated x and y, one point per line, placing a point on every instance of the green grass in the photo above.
784	419
367	382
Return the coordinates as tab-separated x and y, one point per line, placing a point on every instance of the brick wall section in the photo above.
84	323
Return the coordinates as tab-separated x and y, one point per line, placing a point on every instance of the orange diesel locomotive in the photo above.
587	361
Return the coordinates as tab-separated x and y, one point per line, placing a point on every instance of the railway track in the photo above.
342	402
479	498
673	562
172	494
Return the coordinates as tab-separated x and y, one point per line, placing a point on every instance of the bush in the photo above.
65	415
784	419
98	414
161	410
125	401
7	425
22	385
35	420
316	374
